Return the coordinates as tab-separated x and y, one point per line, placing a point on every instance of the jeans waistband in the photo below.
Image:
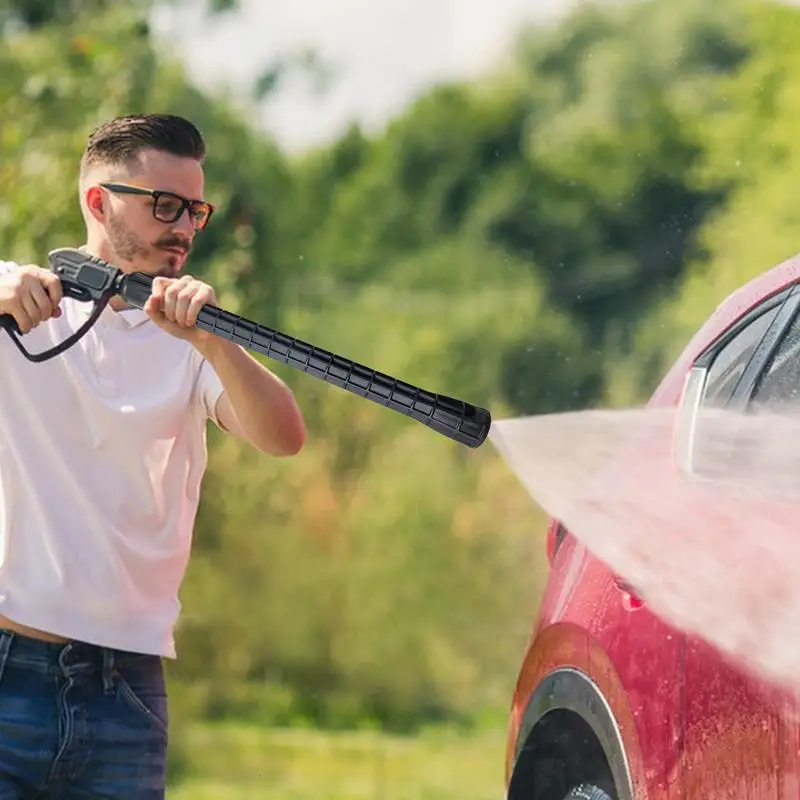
70	659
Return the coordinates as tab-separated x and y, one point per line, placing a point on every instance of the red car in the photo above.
612	702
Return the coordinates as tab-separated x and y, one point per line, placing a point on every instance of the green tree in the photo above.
603	204
750	159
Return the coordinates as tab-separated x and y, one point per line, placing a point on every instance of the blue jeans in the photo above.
79	721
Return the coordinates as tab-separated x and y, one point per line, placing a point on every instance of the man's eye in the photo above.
168	206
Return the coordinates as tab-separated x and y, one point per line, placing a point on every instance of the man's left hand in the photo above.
175	303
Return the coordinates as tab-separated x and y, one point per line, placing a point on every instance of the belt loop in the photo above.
108	670
6	638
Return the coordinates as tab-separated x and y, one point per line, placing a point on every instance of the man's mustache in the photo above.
176	244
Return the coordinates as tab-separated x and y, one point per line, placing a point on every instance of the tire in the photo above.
587	791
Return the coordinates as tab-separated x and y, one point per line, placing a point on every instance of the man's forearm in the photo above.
256	405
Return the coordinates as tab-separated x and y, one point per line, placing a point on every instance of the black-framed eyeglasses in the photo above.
168	206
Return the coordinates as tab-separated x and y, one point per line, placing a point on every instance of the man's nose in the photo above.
184	225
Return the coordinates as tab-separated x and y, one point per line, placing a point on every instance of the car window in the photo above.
717	453
730	363
779	386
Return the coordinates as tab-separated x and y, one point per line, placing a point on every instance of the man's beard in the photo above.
130	247
127	245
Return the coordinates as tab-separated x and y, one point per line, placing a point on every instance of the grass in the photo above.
235	762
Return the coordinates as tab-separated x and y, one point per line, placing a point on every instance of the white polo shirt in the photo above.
102	453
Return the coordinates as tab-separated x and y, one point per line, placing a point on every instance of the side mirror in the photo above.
714	444
749	451
686	427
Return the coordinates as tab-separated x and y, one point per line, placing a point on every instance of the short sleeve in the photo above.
209	390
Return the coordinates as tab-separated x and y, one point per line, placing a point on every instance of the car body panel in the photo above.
733	735
693	725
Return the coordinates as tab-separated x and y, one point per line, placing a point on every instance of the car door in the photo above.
775	388
738	741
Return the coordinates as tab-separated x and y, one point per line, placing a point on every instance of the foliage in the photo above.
241	762
749	157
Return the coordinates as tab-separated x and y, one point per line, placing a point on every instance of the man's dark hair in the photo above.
121	141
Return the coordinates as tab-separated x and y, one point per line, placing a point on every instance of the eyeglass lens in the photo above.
169	207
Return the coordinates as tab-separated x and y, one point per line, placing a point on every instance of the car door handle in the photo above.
630	599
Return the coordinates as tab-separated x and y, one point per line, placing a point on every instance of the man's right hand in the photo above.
31	295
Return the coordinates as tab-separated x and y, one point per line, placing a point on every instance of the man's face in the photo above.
138	240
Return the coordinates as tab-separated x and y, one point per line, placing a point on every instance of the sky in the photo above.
383	52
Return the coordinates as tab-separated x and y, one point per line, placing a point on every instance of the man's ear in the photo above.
95	202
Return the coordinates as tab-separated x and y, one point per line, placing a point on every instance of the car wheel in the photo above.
587	791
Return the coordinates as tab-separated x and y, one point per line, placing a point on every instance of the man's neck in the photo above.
94	250
116	303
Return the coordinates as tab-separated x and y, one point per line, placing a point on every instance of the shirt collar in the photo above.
125	318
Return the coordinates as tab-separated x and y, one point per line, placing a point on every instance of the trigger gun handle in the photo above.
84	278
68	289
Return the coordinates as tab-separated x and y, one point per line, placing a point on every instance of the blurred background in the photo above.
530	204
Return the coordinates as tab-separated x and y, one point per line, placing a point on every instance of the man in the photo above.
102	453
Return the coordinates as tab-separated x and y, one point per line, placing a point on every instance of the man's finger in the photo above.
182	304
171	294
152	306
25	322
158	287
31	307
55	292
198	301
43	301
